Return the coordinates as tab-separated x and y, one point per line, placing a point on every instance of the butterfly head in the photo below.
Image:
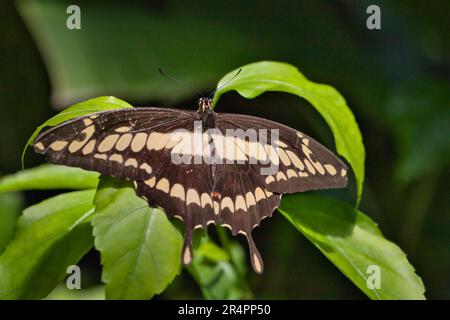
204	104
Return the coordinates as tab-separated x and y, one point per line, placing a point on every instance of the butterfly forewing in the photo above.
302	163
114	143
231	189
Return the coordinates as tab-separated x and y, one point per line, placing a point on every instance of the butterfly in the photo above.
239	183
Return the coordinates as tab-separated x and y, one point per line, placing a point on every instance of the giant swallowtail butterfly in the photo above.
138	144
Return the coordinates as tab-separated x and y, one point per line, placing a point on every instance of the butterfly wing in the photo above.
126	143
301	163
138	144
293	162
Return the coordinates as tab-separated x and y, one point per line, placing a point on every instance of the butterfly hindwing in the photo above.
244	202
183	193
233	196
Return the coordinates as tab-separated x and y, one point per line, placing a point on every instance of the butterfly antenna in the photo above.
179	81
226	83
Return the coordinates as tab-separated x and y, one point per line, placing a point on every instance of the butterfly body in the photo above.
182	161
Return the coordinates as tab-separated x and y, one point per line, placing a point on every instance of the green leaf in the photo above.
352	241
82	200
257	78
216	275
140	249
50	236
61	292
10	207
49	176
77	110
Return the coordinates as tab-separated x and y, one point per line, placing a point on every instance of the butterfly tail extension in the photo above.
187	252
255	256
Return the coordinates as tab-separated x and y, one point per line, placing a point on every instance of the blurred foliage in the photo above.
406	188
219	272
419	112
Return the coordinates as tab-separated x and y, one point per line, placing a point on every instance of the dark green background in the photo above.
396	81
